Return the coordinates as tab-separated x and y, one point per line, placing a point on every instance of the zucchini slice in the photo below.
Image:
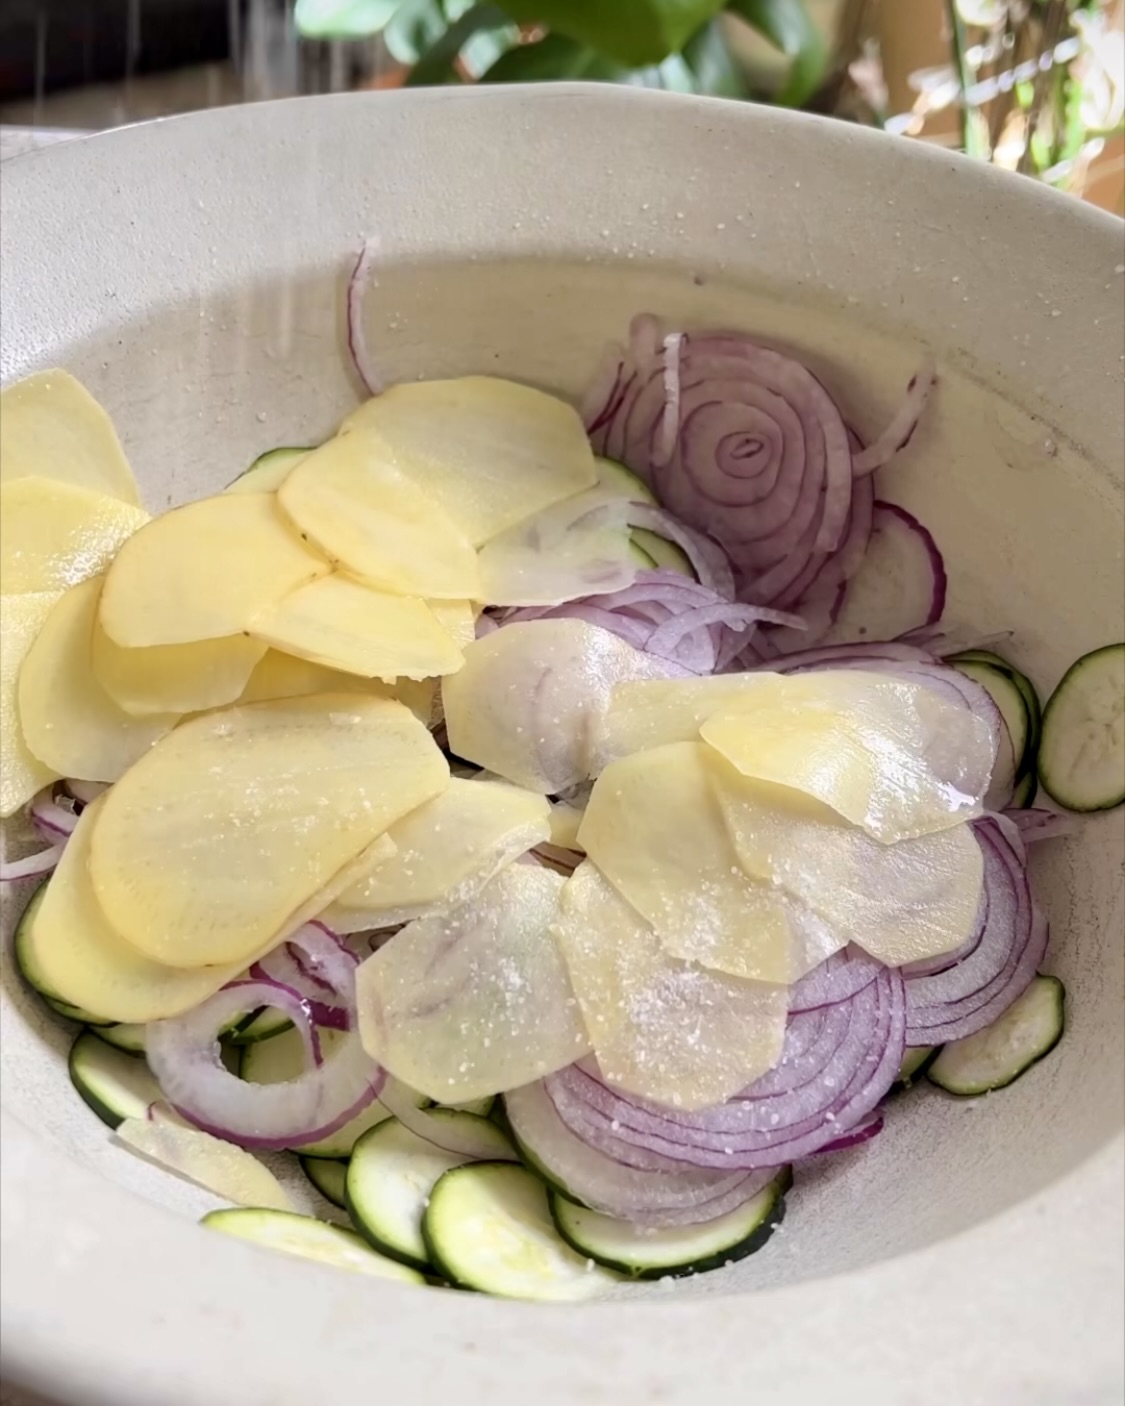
114	1084
328	1176
309	1238
997	1056
1082	754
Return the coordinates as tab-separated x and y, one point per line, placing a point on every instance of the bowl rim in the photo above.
160	1336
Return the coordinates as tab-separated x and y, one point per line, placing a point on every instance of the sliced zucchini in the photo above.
1026	788
488	1227
328	1177
309	1238
482	1107
914	1063
69	1012
616	481
259	1025
1009	698
1082	754
644	1253
130	1038
391	1175
1030	698
268	471
26	966
664	554
114	1084
995	1057
643	559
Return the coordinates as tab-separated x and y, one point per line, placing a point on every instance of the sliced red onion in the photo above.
53	819
708	560
836	1064
900	586
85	791
457	1135
1035	823
999	962
860	656
357	336
838	978
184	1055
315	962
689	1196
666	639
864	1131
31	866
670	419
900	431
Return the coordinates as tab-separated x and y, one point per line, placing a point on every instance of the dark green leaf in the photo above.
437	64
708	56
553	59
629	32
341	19
416	25
788	26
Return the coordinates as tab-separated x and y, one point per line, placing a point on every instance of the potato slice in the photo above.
22	774
476	1001
78	957
525	702
268	471
653	712
902	902
655	830
215	1165
897	758
68	720
280	675
490	452
204	571
662	1029
53	535
52	427
175	678
372	520
458	618
342	624
213	841
448	849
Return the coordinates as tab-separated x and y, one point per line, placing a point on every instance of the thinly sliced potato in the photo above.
662	1028
458	618
280	675
211	844
892	755
68	720
900	902
22	773
80	959
525	702
175	678
342	624
655	831
228	1171
376	523
478	1000
268	471
52	427
204	571
489	452
448	849
53	534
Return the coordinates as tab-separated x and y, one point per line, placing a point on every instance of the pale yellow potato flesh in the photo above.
892	756
900	902
458	618
490	452
654	829
566	819
53	534
447	850
218	1166
477	1000
662	1029
653	712
52	427
212	843
269	476
377	524
175	678
204	571
525	702
68	720
342	624
22	773
280	675
80	959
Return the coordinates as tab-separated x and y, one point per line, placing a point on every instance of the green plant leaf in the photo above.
633	33
342	19
554	59
414	26
789	27
436	65
716	73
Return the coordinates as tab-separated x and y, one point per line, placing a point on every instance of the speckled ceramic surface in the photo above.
190	273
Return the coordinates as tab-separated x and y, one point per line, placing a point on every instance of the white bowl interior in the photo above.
202	306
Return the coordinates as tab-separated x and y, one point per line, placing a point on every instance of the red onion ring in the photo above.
357	336
999	962
456	1135
315	963
53	819
31	866
184	1055
1035	823
904	422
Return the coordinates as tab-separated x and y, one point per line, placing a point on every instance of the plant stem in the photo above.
970	133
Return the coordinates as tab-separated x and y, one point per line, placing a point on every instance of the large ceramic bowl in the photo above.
190	272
